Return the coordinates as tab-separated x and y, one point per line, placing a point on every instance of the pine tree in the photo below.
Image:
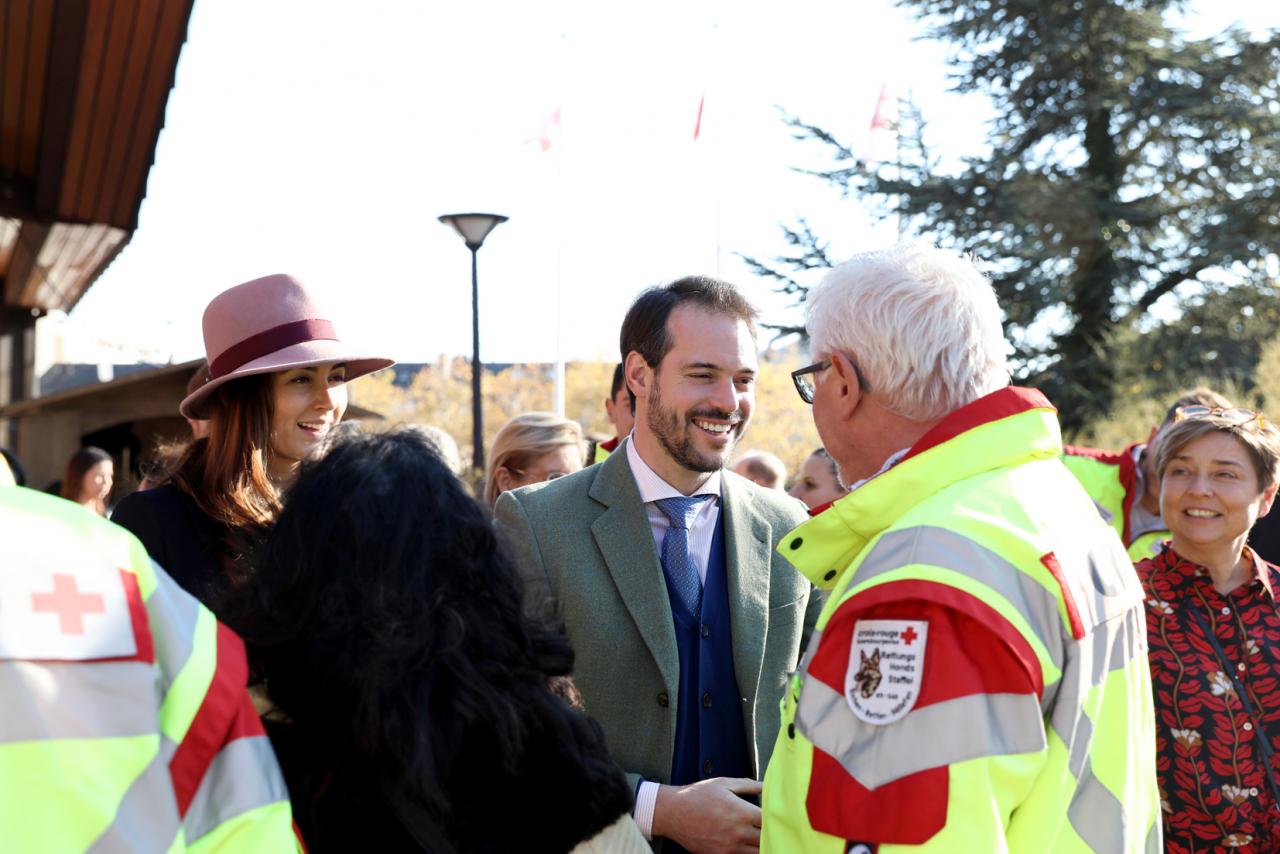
1128	163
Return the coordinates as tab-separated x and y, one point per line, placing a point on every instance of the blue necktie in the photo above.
677	564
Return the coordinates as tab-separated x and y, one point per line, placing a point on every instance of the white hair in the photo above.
921	324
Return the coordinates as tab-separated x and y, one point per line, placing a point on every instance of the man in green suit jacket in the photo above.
589	547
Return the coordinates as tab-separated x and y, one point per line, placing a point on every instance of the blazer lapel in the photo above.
748	557
625	539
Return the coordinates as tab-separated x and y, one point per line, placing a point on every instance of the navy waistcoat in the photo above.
711	740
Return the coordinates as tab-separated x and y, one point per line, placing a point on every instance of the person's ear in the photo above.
638	375
506	481
608	408
1268	498
848	391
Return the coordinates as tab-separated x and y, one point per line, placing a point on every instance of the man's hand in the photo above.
709	817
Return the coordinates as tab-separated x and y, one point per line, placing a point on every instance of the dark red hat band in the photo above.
269	341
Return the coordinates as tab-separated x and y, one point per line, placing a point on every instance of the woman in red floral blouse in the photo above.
1214	631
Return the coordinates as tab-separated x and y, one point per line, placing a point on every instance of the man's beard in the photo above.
675	438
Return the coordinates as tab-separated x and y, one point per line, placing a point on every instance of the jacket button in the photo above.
706	630
708	766
663	699
797	543
706	699
791	730
831	573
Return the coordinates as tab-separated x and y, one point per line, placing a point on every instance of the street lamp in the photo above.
474	228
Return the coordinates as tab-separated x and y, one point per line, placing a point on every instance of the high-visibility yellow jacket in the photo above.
1111	479
601	452
978	678
124	720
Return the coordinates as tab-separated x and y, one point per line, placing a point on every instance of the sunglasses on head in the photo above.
1236	415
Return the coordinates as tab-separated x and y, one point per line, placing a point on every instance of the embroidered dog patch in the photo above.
886	663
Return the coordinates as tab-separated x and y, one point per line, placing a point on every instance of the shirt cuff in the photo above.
646	799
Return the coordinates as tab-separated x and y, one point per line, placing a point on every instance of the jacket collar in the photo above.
1002	429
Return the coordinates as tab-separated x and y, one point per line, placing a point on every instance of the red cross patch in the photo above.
64	607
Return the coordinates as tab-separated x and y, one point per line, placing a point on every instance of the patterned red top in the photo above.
1215	788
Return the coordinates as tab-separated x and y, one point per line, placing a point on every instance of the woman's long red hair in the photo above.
226	473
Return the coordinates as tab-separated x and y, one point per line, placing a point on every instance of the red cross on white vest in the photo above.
68	603
909	635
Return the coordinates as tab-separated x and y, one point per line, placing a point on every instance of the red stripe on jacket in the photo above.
225	714
971	649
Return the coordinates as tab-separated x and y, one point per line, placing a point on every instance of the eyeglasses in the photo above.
803	378
1238	415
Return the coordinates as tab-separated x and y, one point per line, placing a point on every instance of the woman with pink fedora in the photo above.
275	389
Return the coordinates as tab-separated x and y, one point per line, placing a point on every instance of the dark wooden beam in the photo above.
66	46
17	363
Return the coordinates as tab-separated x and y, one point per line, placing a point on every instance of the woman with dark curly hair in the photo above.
411	703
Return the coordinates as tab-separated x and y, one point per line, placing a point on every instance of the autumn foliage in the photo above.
440	395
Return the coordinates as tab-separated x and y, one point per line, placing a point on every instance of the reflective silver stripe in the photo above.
242	777
1097	815
76	699
929	737
1111	646
1155	837
1112	616
947	549
172	613
147	817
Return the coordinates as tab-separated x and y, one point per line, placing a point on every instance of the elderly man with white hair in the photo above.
980	680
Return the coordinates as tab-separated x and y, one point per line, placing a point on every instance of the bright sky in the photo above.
324	138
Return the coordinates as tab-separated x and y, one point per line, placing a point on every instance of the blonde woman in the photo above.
531	448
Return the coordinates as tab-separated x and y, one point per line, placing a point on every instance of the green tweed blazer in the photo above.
586	552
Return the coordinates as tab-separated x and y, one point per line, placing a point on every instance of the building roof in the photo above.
145	374
83	89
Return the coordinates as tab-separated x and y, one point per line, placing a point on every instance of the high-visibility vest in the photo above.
1016	714
1111	479
124	720
601	451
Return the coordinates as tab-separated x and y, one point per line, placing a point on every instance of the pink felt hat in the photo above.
267	325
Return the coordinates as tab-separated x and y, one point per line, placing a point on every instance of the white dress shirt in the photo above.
701	532
703	527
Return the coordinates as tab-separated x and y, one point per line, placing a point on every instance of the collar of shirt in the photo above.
701	530
652	487
893	460
1183	573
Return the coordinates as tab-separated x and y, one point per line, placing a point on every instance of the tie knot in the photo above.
681	510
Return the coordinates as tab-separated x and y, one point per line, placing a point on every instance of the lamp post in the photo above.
474	228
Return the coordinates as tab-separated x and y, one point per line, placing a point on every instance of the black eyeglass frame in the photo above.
805	387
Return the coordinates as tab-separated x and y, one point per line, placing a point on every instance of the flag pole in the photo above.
559	195
897	139
716	175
